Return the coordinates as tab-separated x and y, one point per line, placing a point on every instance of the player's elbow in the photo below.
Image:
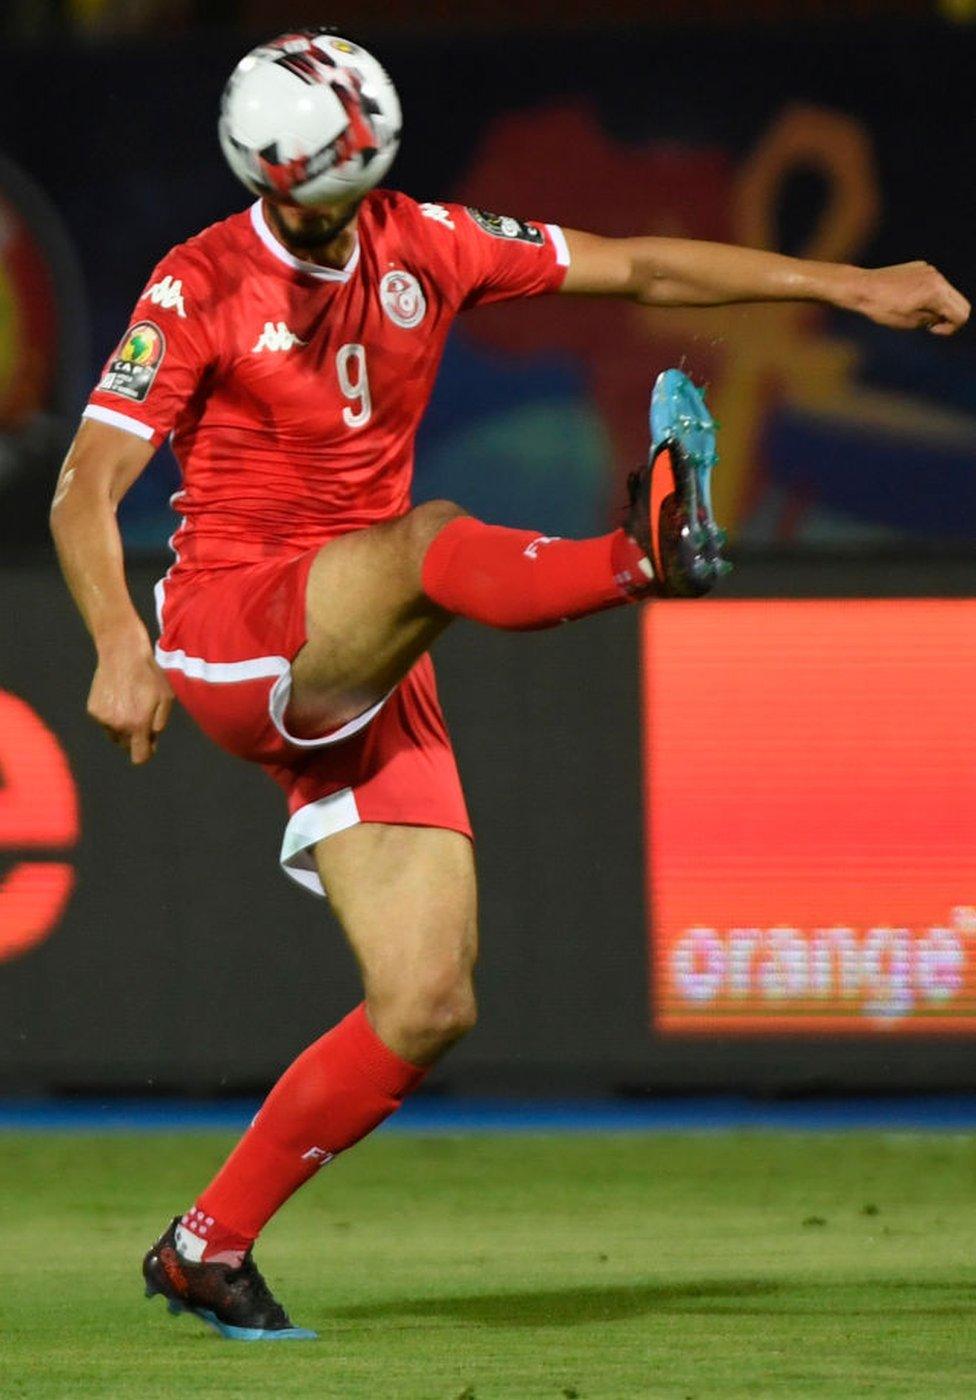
654	287
68	501
80	508
60	508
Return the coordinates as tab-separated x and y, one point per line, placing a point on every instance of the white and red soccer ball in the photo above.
310	117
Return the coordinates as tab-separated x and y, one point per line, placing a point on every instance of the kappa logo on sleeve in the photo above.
503	226
136	362
438	213
167	294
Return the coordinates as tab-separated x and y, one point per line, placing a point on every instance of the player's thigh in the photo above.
407	900
368	619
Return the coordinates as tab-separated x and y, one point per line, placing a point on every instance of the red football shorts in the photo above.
227	640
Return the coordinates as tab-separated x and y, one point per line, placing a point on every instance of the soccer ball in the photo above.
310	117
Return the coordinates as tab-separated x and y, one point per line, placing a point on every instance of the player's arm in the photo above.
130	696
686	272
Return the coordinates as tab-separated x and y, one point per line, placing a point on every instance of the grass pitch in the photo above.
480	1268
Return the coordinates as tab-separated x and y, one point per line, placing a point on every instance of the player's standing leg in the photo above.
406	899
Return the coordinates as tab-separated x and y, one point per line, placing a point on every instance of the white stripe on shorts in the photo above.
309	825
255	668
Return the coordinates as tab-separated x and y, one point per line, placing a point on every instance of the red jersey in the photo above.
293	392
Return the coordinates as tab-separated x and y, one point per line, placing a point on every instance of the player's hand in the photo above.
911	296
130	698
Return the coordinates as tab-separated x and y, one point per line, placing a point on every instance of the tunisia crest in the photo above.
403	299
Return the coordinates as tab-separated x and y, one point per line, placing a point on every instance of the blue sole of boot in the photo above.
678	414
241	1334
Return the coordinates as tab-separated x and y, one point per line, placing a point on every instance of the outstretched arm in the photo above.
686	272
130	697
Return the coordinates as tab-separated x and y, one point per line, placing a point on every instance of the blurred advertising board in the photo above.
38	825
810	806
149	943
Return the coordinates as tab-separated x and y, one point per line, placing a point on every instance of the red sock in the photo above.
519	579
336	1092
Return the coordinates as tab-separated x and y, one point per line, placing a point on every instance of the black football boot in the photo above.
236	1302
669	511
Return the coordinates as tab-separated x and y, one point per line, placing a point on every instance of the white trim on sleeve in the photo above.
559	243
118	420
307	826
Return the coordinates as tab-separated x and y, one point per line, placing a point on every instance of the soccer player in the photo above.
290	351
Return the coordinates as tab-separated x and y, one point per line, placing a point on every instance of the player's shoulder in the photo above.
211	254
199	274
466	222
426	231
392	210
383	204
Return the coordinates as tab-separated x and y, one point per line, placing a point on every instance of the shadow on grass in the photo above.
566	1307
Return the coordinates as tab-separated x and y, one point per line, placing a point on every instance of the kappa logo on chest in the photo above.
276	336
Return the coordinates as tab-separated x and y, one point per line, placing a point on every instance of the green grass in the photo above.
609	1267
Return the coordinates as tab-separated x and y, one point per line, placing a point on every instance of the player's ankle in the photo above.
632	569
202	1239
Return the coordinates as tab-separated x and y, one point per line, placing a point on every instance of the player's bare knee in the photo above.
453	1016
430	1015
443	1023
440	1013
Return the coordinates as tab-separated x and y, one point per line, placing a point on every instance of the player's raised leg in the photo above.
406	899
377	599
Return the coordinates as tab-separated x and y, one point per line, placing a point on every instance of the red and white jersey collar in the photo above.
324	274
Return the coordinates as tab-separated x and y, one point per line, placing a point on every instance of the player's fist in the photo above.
910	296
130	698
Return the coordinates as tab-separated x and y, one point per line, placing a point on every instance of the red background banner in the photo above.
38	809
810	800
